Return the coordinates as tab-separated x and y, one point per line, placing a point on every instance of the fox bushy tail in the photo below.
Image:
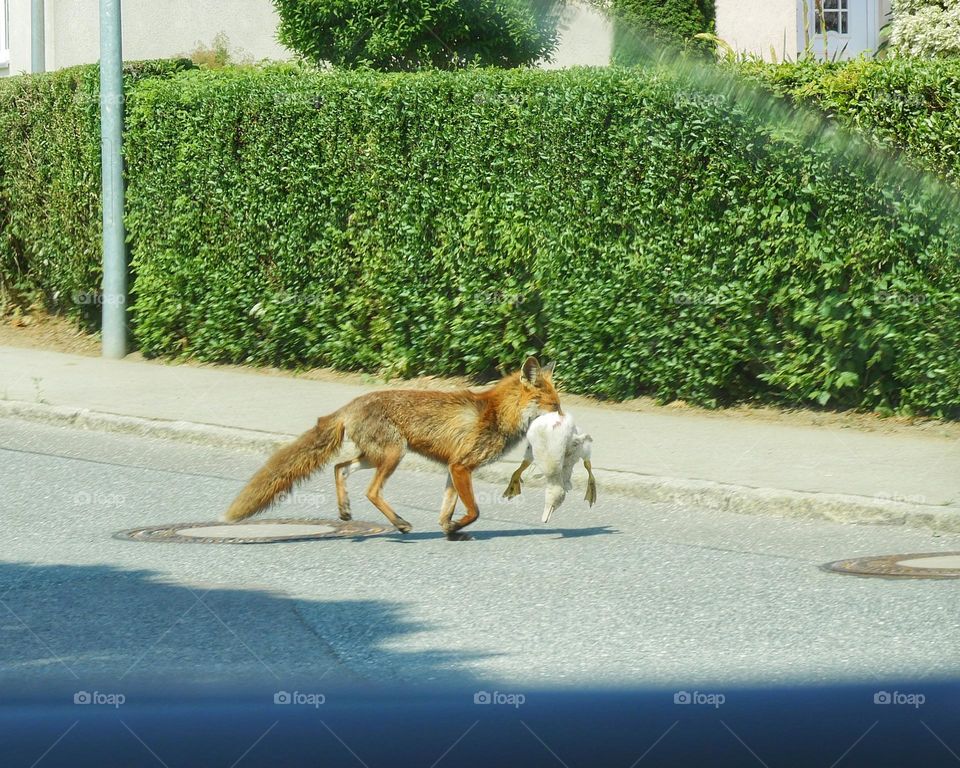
294	462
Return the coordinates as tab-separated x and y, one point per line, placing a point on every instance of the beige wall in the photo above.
165	28
586	38
753	26
151	29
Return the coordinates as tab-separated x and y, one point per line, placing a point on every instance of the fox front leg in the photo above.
591	496
513	489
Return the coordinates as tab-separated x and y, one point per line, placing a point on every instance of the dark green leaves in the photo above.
419	34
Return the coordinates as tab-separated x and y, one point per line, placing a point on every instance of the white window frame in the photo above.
4	34
822	9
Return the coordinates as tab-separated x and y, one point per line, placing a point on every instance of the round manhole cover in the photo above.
924	565
253	531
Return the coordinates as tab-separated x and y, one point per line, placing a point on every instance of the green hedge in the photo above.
652	238
637	23
910	105
50	220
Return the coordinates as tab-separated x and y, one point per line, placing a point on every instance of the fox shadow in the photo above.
486	535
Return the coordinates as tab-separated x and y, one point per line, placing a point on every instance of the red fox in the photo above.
462	429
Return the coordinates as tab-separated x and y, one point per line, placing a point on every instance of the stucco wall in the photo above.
586	38
754	26
165	28
151	29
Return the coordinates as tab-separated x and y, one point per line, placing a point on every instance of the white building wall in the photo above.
152	29
586	38
759	26
156	29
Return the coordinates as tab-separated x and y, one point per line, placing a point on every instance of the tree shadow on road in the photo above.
93	625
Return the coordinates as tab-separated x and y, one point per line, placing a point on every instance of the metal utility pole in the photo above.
38	38
114	296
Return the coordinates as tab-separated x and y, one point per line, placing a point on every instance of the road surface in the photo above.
624	593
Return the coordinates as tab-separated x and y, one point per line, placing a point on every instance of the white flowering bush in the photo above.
925	28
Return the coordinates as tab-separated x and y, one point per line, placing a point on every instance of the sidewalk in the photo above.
725	462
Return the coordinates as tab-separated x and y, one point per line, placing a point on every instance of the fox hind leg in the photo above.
449	503
385	467
340	474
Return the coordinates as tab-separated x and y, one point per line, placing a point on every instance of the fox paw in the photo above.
403	526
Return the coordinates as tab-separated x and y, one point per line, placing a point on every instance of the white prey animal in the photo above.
555	444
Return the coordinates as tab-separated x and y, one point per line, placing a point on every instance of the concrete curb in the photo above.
738	499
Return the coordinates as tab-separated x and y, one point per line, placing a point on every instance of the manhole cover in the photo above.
924	565
253	531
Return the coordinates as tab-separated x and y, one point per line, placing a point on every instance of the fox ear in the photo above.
547	370
531	370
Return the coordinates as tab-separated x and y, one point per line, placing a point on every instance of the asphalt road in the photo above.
625	593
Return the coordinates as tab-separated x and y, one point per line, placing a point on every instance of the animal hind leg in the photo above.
449	503
513	488
340	474
591	496
384	468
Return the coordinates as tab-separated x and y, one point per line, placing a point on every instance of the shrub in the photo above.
419	34
910	105
925	28
50	219
652	238
673	22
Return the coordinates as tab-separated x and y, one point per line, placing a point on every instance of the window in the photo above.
831	16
